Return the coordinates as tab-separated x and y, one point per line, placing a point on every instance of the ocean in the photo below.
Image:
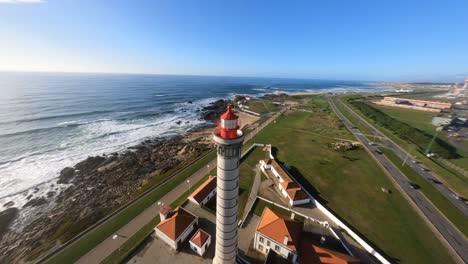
49	121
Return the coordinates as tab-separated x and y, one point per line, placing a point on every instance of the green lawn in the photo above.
417	119
349	183
437	199
262	107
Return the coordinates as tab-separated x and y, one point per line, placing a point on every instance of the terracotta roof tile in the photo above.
175	225
200	238
206	188
311	253
277	226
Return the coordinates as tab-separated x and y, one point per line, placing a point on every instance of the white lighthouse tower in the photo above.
228	138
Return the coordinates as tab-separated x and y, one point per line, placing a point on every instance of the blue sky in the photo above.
364	40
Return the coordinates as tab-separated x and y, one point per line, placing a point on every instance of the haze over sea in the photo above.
49	121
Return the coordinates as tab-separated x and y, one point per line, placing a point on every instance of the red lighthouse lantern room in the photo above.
228	126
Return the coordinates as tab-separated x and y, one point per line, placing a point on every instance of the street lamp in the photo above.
438	129
189	187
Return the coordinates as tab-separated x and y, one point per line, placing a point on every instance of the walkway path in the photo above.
253	192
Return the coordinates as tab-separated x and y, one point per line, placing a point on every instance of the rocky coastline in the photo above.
98	185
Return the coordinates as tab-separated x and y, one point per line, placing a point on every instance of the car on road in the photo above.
456	196
378	151
425	169
372	143
413	186
434	181
415	161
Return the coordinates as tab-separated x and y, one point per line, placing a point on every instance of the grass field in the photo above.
418	119
349	183
262	107
454	180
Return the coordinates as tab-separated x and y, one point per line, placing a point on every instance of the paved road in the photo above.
109	245
455	239
413	163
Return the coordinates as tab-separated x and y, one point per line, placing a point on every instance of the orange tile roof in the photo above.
200	238
277	226
280	170
175	225
206	188
311	253
297	194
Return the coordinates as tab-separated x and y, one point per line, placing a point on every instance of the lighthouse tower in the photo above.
228	139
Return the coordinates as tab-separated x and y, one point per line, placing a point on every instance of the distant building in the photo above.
288	188
176	227
401	90
428	106
204	193
441	121
200	242
279	233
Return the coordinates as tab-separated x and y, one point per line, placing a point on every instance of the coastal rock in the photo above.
35	202
213	111
278	97
6	217
9	204
66	175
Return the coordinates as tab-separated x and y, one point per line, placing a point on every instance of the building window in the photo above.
277	248
261	239
260	247
268	243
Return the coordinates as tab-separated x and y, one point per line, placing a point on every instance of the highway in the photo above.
414	164
455	240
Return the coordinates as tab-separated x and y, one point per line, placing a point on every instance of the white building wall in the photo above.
277	174
201	250
282	249
166	239
299	202
209	196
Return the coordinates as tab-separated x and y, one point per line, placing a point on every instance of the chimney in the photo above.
286	239
164	212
